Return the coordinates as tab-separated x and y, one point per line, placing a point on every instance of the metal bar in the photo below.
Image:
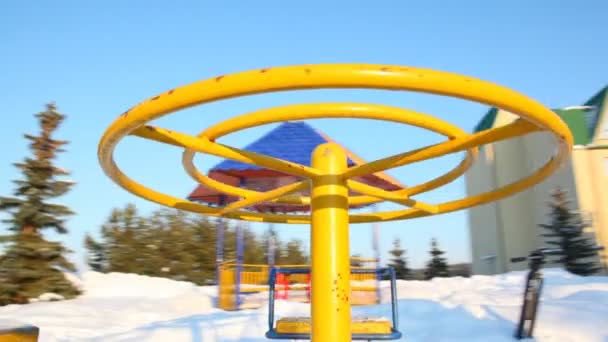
204	145
298	270
271	281
219	253
391	196
394	299
239	263
265	196
330	307
515	129
376	247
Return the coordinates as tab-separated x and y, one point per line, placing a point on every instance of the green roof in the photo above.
582	120
487	121
576	121
599	102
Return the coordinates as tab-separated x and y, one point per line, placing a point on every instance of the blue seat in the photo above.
298	328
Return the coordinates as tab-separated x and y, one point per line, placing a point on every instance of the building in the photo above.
509	227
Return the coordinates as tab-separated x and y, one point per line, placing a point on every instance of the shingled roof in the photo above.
292	141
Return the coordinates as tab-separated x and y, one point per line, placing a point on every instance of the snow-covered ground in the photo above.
127	307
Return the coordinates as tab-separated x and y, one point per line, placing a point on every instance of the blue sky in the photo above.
96	59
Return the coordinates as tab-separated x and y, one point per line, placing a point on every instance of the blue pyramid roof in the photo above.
291	141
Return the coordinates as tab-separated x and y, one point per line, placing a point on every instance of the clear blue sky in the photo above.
96	59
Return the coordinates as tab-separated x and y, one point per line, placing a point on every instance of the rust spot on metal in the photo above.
125	113
150	128
385	69
307	71
155	98
264	70
219	78
170	91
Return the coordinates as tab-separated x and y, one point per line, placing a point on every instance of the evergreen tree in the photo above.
295	254
204	237
398	261
122	246
31	265
169	243
96	258
173	244
567	229
253	250
437	266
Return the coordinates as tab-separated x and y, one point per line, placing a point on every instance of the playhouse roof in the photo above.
292	141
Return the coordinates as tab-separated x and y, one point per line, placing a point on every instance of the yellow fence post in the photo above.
331	317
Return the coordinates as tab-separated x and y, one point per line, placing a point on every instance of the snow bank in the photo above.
127	307
132	285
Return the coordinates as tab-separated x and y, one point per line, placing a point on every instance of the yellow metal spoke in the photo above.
192	171
396	196
265	196
204	145
517	128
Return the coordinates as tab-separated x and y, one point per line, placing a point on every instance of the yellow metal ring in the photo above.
344	76
330	110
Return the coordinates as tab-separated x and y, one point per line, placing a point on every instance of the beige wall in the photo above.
592	179
509	227
483	221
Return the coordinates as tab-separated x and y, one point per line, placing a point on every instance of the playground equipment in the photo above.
533	288
240	285
328	176
16	332
297	328
253	280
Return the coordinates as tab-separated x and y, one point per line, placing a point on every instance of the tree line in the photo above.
166	243
177	245
437	265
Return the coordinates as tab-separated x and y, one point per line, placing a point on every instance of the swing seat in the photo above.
362	328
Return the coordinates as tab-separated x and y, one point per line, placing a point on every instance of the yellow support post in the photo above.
330	302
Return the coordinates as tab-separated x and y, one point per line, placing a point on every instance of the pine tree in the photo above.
398	261
168	243
31	265
122	246
437	266
567	229
96	258
204	237
295	254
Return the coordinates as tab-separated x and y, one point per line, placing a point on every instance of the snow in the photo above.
129	307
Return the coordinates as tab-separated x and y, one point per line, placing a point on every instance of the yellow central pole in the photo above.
331	318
